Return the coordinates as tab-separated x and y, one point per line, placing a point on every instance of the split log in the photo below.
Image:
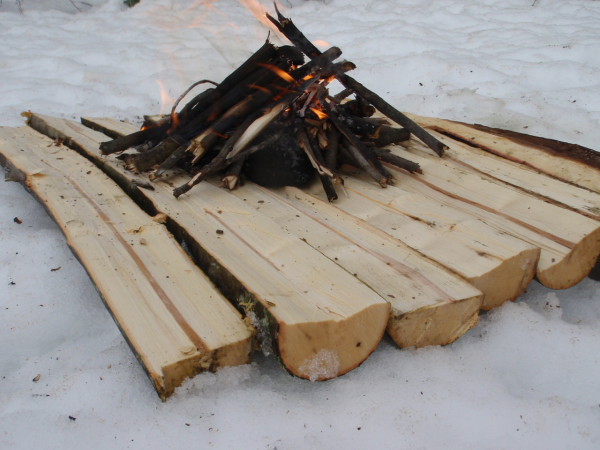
579	199
319	320
499	265
567	162
552	228
175	321
429	305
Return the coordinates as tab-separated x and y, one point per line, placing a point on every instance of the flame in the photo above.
224	136
164	97
175	121
321	43
258	11
320	114
280	73
260	88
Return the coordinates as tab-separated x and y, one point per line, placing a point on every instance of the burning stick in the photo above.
295	36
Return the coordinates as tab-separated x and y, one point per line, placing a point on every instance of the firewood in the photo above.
529	217
173	318
398	161
316	159
429	305
315	321
496	263
568	162
295	36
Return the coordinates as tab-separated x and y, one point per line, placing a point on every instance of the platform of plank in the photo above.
317	283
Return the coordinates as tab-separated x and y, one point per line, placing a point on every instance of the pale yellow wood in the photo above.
317	312
562	168
174	319
499	265
569	242
429	305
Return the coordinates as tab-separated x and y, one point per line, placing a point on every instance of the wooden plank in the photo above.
578	199
429	304
175	321
568	162
499	265
569	242
321	320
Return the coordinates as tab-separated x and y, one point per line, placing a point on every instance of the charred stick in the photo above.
173	159
364	164
358	107
131	140
354	145
331	152
338	98
317	160
205	173
231	179
389	135
398	161
389	111
290	31
145	161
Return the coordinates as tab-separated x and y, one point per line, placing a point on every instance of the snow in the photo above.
528	376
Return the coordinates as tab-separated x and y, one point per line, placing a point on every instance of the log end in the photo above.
439	324
507	280
174	375
319	351
564	273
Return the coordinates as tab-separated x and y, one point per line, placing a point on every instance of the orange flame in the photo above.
280	73
321	43
258	11
175	121
165	98
320	114
260	88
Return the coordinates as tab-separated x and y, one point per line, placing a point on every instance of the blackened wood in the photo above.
231	179
339	97
313	151
398	161
145	161
170	162
358	107
131	140
290	31
389	111
202	175
331	152
377	171
389	135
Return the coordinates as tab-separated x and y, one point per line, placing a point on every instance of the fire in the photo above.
258	11
165	98
280	73
260	88
175	121
320	114
321	43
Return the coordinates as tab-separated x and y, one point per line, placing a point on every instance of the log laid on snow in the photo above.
582	200
175	321
499	265
320	320
554	229
429	304
568	162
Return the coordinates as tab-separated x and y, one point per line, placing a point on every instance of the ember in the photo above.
274	121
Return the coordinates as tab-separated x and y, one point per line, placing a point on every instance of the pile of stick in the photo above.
280	105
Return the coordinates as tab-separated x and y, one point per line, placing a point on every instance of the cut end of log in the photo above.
440	324
508	280
317	352
574	267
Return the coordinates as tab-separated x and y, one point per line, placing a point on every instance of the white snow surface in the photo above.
527	377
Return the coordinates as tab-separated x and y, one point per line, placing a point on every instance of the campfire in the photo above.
273	120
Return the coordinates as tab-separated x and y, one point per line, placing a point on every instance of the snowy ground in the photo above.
528	376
